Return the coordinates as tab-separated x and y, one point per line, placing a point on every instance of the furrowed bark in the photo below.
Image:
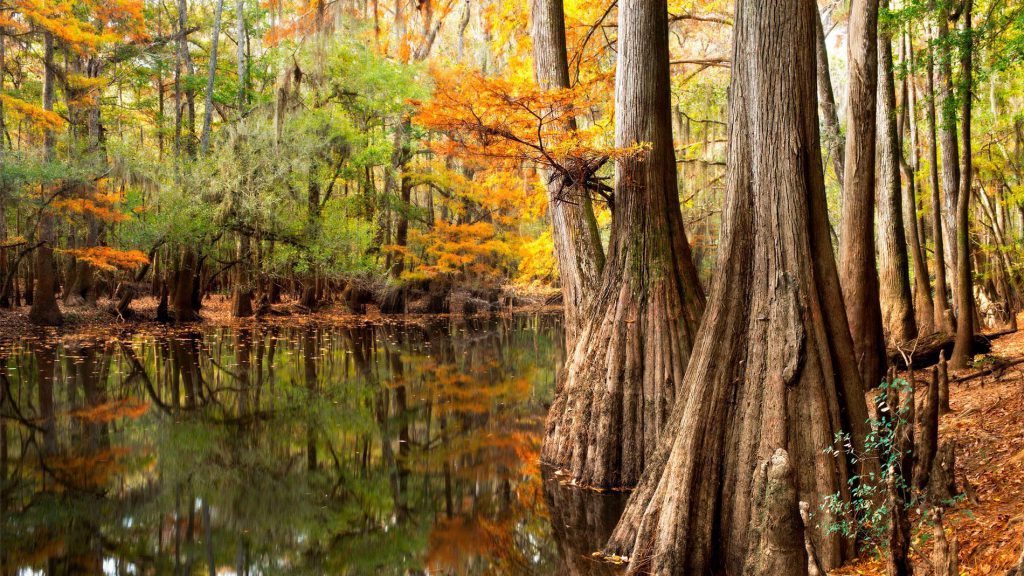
45	311
856	237
923	303
964	281
948	146
831	133
898	320
778	534
773	365
943	319
574	230
625	372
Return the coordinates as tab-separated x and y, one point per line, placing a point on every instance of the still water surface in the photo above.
399	448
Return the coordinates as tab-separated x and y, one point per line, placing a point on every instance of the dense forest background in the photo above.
387	153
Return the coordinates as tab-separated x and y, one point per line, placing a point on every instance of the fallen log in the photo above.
924	351
998	368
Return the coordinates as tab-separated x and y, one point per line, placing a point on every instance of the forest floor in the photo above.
987	423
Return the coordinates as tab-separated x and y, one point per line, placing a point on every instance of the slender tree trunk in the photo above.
923	304
204	141
574	230
241	301
45	310
964	282
241	59
943	318
773	366
898	320
831	133
626	370
857	228
948	147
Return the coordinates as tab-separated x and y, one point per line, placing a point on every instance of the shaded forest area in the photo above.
777	230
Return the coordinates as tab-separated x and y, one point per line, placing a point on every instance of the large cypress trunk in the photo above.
574	231
898	319
856	238
773	366
625	371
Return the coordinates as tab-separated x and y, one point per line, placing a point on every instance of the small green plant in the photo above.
864	515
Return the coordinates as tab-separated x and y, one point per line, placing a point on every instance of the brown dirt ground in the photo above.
987	423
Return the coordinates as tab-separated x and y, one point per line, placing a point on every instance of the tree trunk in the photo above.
941	302
945	561
927	444
241	298
574	230
626	369
923	303
831	133
964	281
856	237
897	304
204	142
773	365
777	536
946	102
184	277
45	310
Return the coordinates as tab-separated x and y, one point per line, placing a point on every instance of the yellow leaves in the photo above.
110	259
35	115
471	250
12	241
537	260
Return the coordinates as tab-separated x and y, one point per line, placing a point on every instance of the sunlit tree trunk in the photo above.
964	282
831	133
204	141
773	366
948	146
574	230
45	310
626	370
943	318
923	303
857	228
897	304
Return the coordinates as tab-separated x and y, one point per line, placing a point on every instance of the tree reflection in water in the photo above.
301	449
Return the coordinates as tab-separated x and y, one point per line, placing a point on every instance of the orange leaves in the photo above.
99	203
85	25
470	249
35	115
110	411
110	259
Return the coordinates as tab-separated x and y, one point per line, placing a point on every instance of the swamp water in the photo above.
305	448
